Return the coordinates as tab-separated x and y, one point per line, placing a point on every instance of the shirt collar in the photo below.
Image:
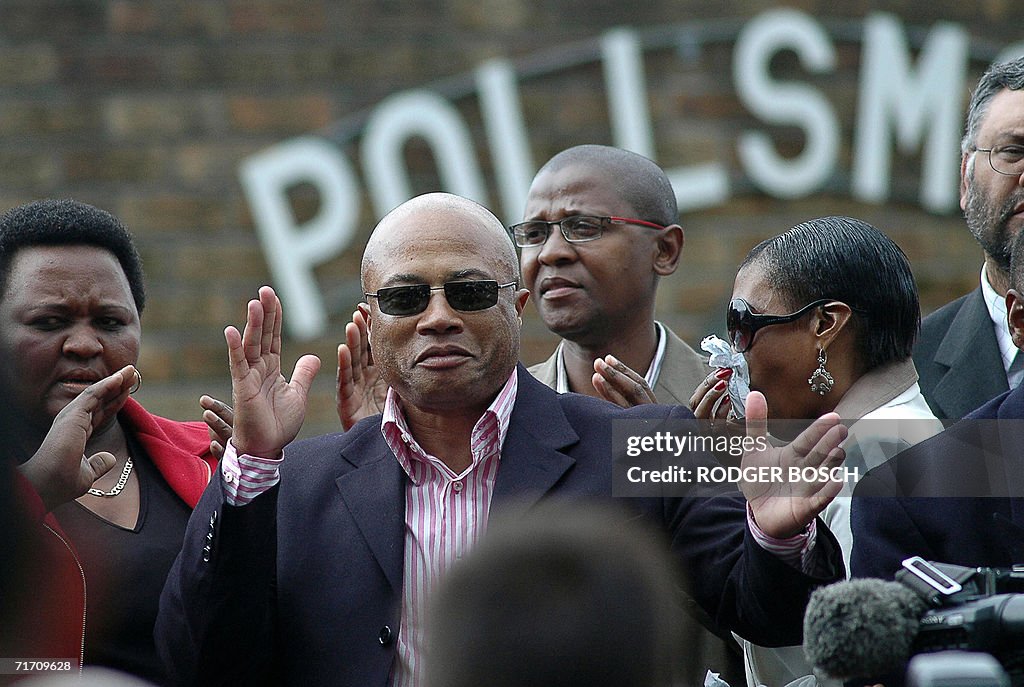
403	444
996	306
876	387
653	372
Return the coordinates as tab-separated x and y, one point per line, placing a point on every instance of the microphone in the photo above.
862	628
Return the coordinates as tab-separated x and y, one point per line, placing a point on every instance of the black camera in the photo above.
971	609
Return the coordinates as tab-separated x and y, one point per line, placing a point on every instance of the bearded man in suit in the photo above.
964	355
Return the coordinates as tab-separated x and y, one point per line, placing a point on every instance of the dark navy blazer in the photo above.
954	498
958	359
303	585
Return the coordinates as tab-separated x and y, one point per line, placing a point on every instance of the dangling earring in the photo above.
821	381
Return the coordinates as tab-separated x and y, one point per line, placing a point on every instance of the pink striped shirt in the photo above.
445	514
245	476
795	551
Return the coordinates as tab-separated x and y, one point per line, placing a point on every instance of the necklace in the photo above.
121	481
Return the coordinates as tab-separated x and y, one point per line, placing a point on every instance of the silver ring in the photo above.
718	404
138	382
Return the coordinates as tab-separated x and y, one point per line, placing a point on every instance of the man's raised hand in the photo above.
361	391
269	409
620	384
783	508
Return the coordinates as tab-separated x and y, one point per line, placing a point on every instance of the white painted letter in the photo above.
293	250
786	103
506	133
696	186
417	113
927	106
627	92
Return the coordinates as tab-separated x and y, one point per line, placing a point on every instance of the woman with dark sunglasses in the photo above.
826	315
826	309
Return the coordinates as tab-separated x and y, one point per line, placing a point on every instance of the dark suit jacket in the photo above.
955	498
303	585
957	358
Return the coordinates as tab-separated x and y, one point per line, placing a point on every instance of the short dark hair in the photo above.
848	260
637	179
567	595
998	77
63	222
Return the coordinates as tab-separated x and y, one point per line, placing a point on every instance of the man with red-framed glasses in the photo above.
600	230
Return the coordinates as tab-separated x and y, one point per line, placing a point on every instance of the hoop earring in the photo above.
821	381
138	382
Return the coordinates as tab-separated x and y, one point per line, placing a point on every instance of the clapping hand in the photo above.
220	419
783	508
361	391
620	384
268	409
59	470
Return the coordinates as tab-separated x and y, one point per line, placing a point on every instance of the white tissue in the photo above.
722	355
714	680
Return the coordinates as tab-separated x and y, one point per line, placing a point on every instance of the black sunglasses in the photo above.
464	296
743	323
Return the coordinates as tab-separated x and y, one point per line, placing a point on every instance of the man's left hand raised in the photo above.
269	409
784	508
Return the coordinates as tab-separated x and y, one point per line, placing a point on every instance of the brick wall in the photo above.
146	108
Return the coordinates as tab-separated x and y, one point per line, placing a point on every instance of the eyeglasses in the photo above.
575	229
464	296
743	322
1008	159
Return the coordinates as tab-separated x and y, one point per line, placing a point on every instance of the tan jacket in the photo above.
681	371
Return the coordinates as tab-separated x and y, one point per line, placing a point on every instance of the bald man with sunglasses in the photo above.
600	232
311	562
